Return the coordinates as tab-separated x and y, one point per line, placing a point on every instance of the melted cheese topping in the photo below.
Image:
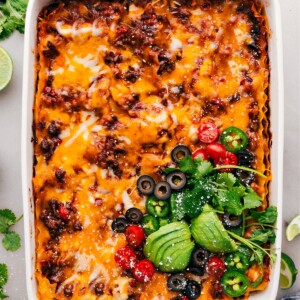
133	111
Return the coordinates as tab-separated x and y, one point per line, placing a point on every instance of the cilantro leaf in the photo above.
11	241
204	167
228	180
3	274
268	216
12	16
263	236
240	190
194	199
7	219
231	201
252	200
2	295
187	165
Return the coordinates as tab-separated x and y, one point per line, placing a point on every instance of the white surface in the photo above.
10	128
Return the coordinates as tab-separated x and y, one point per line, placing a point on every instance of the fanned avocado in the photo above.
170	247
208	232
177	258
157	235
169	244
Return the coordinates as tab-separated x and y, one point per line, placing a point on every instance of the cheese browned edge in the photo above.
120	85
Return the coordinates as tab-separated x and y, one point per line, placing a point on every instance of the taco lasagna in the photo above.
152	143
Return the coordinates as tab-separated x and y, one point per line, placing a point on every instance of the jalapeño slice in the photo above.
237	261
234	139
234	284
157	208
150	224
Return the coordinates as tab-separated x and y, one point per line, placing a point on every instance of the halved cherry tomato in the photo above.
126	258
208	132
229	159
143	271
64	213
134	235
216	267
200	153
216	151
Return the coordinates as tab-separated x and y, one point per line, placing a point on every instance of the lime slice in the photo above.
288	272
6	68
293	229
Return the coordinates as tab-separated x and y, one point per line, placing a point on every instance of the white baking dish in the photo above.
277	113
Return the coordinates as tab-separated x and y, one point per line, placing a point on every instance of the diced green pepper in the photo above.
234	139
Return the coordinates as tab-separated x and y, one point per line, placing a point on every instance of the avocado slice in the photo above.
209	232
164	240
170	243
177	258
166	230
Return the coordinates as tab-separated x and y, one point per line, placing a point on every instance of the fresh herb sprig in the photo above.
12	17
3	279
11	240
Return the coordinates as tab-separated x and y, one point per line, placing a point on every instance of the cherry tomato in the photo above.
134	235
208	132
216	267
200	153
64	213
126	258
229	159
143	271
216	151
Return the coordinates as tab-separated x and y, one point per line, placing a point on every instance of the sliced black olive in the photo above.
145	184
119	225
180	152
193	289
177	180
245	158
196	271
162	190
200	257
134	215
232	221
177	282
245	177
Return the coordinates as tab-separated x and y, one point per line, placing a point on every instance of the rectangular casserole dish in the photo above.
276	119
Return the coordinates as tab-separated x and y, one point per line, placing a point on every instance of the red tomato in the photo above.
200	153
216	267
216	151
64	213
208	132
143	271
184	298
229	159
134	235
126	258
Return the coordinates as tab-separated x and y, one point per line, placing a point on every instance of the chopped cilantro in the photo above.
11	241
12	17
7	219
263	236
3	274
268	216
252	200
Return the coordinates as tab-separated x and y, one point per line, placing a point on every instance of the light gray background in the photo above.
10	145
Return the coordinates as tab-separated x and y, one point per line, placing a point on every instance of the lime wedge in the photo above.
6	68
293	229
288	272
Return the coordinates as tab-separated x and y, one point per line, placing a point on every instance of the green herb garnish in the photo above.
11	240
12	17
